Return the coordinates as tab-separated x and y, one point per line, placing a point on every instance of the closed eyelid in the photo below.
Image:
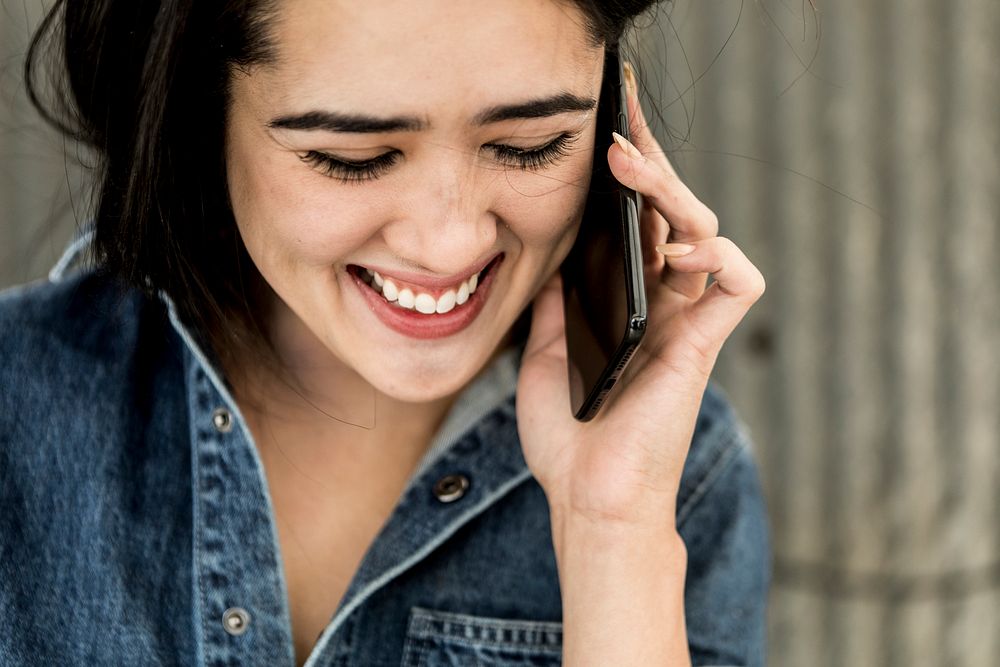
539	156
527	143
353	171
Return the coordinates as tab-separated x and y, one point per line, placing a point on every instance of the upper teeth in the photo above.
422	302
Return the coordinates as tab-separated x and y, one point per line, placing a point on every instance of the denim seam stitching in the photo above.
530	649
198	535
514	647
392	573
429	616
425	631
198	357
409	646
734	445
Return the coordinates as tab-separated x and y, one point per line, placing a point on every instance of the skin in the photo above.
612	483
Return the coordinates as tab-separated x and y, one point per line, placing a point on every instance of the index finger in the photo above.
639	130
688	217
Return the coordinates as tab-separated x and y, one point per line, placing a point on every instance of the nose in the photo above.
444	223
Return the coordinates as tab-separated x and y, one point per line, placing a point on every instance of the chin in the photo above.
422	384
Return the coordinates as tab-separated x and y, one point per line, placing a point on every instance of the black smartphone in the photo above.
604	294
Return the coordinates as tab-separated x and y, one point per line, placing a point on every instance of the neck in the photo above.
310	395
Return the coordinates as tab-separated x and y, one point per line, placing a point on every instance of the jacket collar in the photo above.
477	440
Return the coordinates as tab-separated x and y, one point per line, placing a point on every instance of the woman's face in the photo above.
424	140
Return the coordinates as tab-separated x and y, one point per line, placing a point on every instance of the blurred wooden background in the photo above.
41	192
854	154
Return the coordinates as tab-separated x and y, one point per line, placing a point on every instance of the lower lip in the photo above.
435	325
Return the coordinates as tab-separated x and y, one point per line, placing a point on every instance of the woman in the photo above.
229	445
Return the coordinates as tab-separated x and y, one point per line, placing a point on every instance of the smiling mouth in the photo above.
422	300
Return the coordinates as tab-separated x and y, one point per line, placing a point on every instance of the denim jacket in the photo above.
136	527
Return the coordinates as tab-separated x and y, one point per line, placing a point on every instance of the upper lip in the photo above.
431	282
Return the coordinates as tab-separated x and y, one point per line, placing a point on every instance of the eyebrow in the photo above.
540	108
330	121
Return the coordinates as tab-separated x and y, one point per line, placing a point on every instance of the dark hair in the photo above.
146	85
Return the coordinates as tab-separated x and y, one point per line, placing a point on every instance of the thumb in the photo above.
548	328
543	394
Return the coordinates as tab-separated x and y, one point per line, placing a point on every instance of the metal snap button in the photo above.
451	487
235	620
222	419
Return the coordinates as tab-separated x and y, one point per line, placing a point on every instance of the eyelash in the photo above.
528	159
534	158
350	171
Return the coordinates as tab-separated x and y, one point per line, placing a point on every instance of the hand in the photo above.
624	466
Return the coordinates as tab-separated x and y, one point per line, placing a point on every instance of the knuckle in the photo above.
711	220
665	177
754	283
661	190
756	286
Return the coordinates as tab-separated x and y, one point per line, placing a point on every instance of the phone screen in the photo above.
603	292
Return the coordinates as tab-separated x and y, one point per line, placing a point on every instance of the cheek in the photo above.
545	208
285	211
549	222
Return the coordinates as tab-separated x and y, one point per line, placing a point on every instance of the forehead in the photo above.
394	51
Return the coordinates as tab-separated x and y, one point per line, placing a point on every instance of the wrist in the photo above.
625	505
654	524
622	587
617	541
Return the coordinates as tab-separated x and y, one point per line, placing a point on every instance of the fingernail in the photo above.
627	146
629	77
675	249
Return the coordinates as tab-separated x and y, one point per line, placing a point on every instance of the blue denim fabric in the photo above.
132	517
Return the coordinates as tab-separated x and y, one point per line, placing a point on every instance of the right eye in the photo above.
349	171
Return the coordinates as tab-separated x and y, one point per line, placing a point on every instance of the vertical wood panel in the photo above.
798	233
915	209
971	319
857	424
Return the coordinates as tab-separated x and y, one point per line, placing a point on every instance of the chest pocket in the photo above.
440	639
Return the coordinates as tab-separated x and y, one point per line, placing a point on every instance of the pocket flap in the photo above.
439	638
